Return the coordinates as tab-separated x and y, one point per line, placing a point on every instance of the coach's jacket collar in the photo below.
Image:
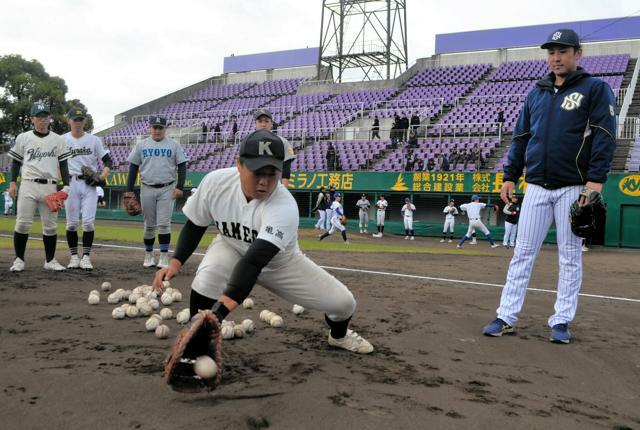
547	82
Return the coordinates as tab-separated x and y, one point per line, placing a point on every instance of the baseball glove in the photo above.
90	177
201	337
131	204
588	220
343	220
56	200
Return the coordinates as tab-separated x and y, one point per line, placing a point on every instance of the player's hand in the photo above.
507	191
13	191
177	193
166	274
592	186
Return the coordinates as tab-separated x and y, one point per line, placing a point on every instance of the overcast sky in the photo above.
115	55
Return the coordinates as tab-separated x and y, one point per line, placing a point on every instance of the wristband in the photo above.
220	311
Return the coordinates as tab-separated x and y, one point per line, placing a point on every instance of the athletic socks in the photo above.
338	329
49	246
87	242
463	240
344	235
164	240
72	241
148	244
325	234
20	243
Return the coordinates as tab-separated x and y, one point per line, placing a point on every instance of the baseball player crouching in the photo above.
450	212
407	213
157	157
42	155
473	212
86	150
336	219
257	219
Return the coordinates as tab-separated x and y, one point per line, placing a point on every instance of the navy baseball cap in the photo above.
38	108
337	194
564	37
262	148
76	113
157	121
263	112
475	197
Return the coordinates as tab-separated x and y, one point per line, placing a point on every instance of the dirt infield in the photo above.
69	365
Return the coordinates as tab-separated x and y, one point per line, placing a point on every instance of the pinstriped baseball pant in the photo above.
539	208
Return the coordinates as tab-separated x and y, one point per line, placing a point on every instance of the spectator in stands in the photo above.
331	157
234	128
431	165
500	122
415	122
216	133
420	165
395	131
443	162
375	128
453	158
408	167
404	125
413	140
205	130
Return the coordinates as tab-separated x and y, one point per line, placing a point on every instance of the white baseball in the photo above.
176	296
132	311
166	284
277	321
106	286
113	298
118	313
157	316
247	326
96	292
270	315
263	315
227	332
166	299
162	331
238	332
145	309
183	316
297	309
247	303
152	295
166	313
141	300
137	290
94	299
125	294
133	298
155	304
205	367
151	324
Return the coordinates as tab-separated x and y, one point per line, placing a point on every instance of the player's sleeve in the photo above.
455	211
180	156
602	120
135	157
521	134
279	222
17	152
198	206
63	150
506	209
463	207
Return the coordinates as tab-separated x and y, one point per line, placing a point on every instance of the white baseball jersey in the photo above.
408	209
473	209
99	191
450	211
40	156
336	207
220	200
7	197
86	151
382	205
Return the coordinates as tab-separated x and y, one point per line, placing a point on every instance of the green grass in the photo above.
129	234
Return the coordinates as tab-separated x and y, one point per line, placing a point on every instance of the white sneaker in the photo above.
361	231
54	265
449	241
441	240
352	342
458	246
376	235
365	231
413	238
17	266
163	261
85	263
495	245
148	260
585	249
473	242
406	238
74	262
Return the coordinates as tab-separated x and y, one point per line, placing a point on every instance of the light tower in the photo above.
366	35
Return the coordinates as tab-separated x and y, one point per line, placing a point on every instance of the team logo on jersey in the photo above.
264	148
36	154
81	151
630	185
557	35
572	101
612	111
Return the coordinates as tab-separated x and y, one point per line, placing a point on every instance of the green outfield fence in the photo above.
429	191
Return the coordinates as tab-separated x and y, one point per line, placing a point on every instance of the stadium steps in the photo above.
627	80
501	148
621	155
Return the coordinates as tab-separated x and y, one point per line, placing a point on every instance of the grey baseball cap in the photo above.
564	37
262	148
263	112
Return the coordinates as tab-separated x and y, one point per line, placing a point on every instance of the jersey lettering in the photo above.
35	153
238	231
235	230
81	151
572	101
157	152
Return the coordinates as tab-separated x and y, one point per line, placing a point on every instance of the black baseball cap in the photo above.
157	120
263	112
76	113
262	148
564	37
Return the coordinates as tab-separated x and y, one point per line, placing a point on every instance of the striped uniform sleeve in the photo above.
17	152
64	152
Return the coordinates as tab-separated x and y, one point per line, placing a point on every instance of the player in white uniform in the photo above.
336	217
450	212
321	209
100	194
363	213
381	208
42	155
8	202
257	219
407	212
473	212
86	150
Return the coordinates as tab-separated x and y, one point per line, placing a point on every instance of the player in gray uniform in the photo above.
42	155
321	209
157	157
363	213
264	121
86	150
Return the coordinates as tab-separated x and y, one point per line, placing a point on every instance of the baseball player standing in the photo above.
100	194
86	150
512	212
257	218
473	212
565	138
328	212
8	202
157	158
381	208
264	121
336	219
321	209
450	212
42	155
407	212
363	213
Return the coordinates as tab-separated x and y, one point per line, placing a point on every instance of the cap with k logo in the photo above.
262	148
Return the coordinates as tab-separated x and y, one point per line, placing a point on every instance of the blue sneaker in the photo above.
497	328
560	334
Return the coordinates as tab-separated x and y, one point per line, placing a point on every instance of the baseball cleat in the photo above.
413	238
458	246
361	231
560	334
85	263
17	266
585	249
163	261
54	266
74	262
352	342
474	242
497	328
148	260
406	238
449	241
495	245
441	240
